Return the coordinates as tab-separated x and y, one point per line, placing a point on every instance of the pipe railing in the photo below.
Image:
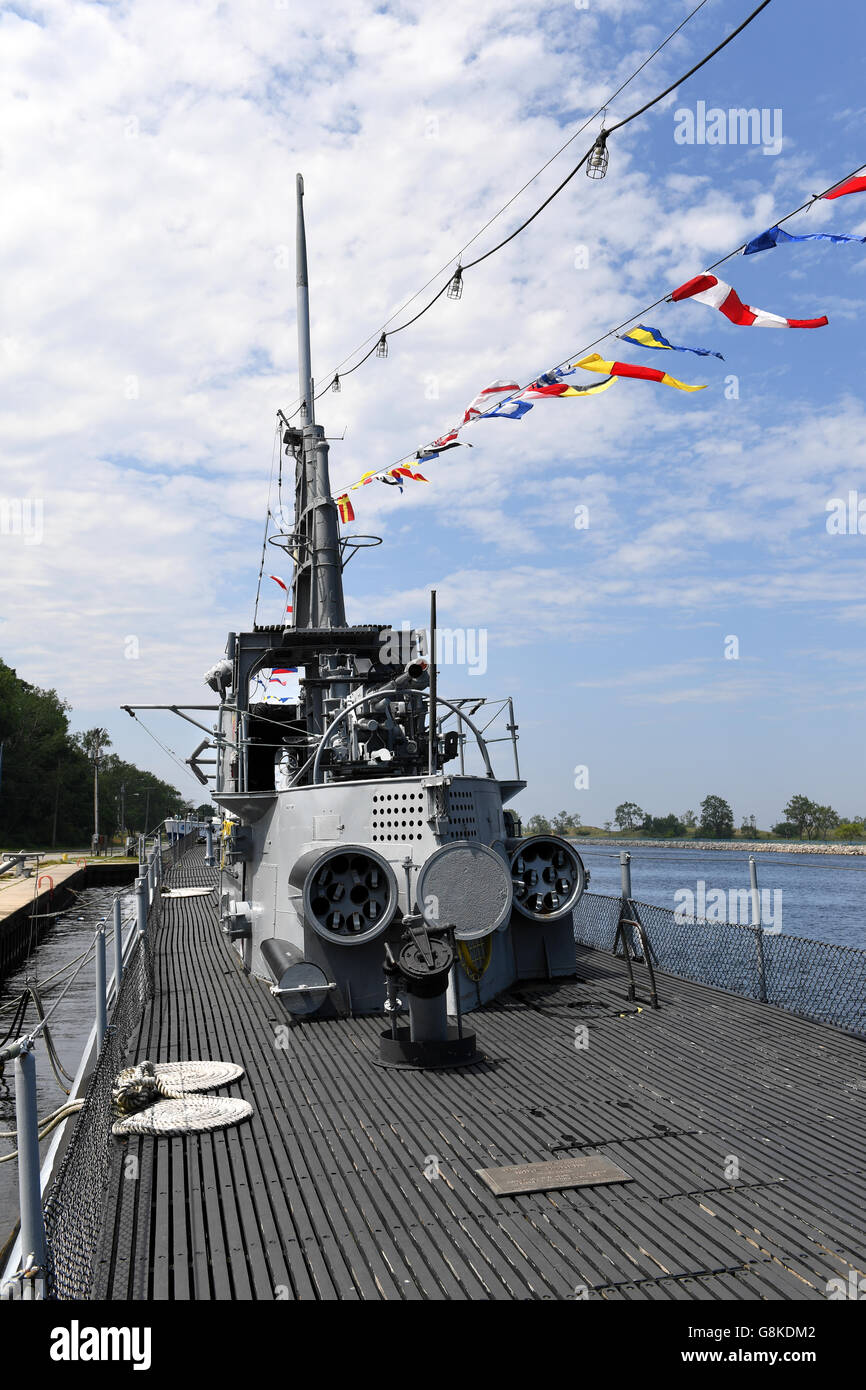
32	1244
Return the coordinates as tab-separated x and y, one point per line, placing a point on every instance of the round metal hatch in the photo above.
465	884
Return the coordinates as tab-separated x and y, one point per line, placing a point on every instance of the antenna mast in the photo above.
318	582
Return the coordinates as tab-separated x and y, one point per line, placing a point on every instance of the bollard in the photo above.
101	1017
142	851
118	949
208	859
625	873
29	1193
758	930
141	904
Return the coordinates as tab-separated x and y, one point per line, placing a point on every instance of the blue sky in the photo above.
148	164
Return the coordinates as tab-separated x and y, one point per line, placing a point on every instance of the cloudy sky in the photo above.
148	154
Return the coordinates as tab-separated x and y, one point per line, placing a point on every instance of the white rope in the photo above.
187	1115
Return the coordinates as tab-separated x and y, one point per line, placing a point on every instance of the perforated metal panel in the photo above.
461	824
397	816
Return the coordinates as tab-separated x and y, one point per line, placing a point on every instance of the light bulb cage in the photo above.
596	165
382	347
455	289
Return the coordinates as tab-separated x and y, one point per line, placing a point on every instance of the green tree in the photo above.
826	819
689	820
628	815
668	827
564	823
801	813
850	829
785	830
538	825
717	819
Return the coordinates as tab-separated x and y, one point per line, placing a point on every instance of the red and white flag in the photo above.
279	581
708	290
855	185
487	400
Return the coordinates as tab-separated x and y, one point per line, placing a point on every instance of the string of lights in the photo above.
597	157
611	332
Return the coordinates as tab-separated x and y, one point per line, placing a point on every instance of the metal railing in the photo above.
817	980
53	1257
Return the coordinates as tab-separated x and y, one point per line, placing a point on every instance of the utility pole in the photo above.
123	808
146	809
96	751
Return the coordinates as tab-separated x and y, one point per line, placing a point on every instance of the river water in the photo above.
70	1025
822	896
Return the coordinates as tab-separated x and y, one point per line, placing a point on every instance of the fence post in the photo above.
141	905
625	873
758	929
101	1016
29	1192
118	949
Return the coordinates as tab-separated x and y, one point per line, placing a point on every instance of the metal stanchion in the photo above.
625	873
758	930
141	904
101	1014
118	949
29	1191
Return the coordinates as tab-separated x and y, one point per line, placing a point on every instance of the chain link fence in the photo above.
73	1209
172	853
815	979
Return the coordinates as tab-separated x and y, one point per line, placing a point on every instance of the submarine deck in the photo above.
741	1127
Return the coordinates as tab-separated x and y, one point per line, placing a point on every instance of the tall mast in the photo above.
318	582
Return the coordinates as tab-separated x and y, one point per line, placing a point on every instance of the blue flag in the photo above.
775	235
641	336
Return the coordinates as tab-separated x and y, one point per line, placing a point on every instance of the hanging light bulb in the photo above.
596	165
335	384
455	289
382	347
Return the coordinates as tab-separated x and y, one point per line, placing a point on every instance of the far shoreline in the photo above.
749	846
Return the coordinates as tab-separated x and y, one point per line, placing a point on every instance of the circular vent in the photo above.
548	877
350	893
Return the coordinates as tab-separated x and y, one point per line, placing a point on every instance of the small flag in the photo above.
345	508
594	363
490	397
540	392
279	581
405	472
775	236
855	185
642	336
283	671
364	479
708	290
440	446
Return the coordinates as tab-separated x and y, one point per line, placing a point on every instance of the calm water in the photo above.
823	896
70	1025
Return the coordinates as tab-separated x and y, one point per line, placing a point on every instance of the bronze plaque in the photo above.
587	1171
